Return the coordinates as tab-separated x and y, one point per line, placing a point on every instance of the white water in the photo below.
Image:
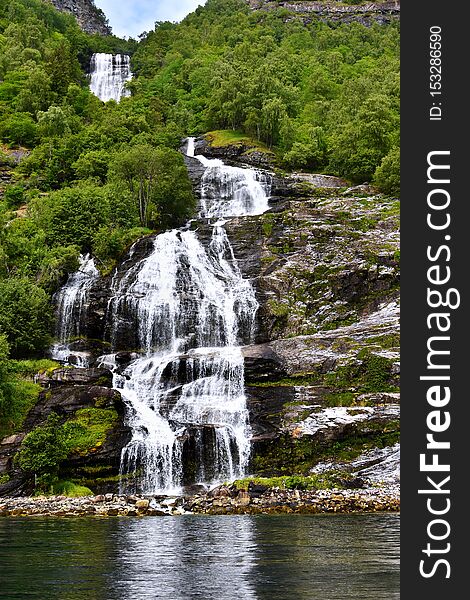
109	74
194	311
71	309
231	191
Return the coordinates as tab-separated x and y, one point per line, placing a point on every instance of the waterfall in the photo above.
193	311
109	74
231	191
71	309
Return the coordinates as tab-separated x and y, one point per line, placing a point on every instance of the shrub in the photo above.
44	448
25	316
387	175
19	129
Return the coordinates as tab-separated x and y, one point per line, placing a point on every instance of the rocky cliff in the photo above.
335	10
90	18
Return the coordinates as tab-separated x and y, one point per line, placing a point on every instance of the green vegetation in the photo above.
47	446
95	177
72	191
289	455
88	430
70	489
223	138
17	395
324	97
43	449
25	316
293	482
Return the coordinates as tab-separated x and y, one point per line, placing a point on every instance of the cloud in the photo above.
129	18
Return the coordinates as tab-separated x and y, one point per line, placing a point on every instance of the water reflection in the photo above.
225	558
186	558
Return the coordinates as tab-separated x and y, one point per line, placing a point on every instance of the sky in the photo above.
129	18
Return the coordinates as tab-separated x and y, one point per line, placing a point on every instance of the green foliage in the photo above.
48	445
17	396
326	97
44	448
29	368
70	489
109	243
25	316
292	482
5	159
19	130
88	430
14	196
387	174
157	181
72	215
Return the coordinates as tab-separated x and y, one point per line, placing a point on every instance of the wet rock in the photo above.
101	377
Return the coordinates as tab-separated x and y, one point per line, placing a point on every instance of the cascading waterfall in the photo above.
109	74
193	311
71	309
231	191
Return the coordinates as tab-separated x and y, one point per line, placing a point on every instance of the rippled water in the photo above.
338	557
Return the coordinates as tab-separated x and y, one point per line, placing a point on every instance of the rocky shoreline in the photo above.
220	501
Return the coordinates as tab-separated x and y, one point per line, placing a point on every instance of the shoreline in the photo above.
220	501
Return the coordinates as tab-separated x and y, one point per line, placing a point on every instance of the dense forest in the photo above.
321	98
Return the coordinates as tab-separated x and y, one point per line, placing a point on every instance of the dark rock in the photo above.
256	490
353	483
262	364
94	376
221	491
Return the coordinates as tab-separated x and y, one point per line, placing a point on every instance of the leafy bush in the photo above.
14	196
17	396
387	175
19	130
44	448
25	316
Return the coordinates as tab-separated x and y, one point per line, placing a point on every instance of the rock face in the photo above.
90	18
363	12
323	377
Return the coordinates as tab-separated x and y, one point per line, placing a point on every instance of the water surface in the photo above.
338	557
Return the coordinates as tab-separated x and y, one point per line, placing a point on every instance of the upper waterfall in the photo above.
109	74
228	191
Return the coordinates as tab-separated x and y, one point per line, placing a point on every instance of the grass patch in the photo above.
321	481
70	489
23	395
29	368
89	429
227	137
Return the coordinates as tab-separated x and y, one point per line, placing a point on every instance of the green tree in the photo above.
387	175
19	129
157	181
25	316
44	448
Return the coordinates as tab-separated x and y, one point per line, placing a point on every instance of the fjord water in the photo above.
108	75
337	557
